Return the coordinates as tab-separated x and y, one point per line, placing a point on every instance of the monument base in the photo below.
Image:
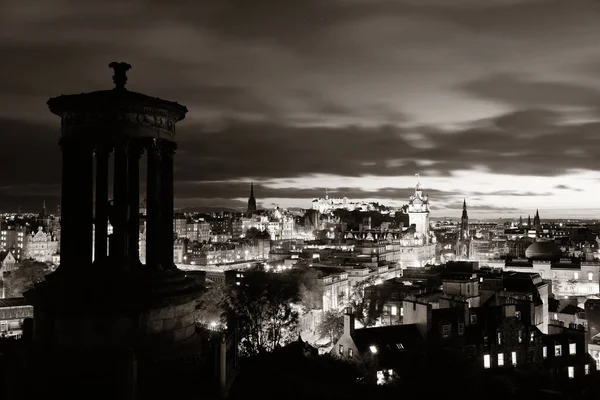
132	333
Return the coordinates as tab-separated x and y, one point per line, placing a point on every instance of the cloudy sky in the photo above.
495	101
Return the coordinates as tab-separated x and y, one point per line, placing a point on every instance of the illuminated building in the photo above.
7	262
569	278
328	204
418	214
13	239
40	246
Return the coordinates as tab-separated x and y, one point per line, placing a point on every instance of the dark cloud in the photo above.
509	193
278	90
459	206
527	92
566	187
264	150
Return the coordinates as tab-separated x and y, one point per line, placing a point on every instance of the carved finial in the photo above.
120	76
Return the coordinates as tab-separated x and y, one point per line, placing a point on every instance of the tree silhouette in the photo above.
331	326
25	275
263	307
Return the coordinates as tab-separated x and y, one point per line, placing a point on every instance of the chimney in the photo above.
348	321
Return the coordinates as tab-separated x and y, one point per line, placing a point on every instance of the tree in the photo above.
212	307
25	275
264	309
366	304
255	233
331	326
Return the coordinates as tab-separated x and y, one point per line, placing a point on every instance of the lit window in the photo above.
571	372
531	336
513	356
520	336
402	311
486	361
587	369
394	310
446	329
572	348
373	349
341	350
590	276
575	275
499	337
501	359
545	352
557	350
399	346
518	314
350	353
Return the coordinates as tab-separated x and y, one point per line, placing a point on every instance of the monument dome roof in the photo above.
543	251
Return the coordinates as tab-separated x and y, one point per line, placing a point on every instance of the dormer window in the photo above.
341	350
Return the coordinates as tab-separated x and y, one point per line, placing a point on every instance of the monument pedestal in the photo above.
139	325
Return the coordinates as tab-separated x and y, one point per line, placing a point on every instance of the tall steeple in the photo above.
251	201
536	220
529	221
464	222
520	221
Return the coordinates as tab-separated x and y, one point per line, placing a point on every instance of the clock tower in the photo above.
418	212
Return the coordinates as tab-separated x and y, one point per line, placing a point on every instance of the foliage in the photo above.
366	304
212	306
331	326
25	275
255	233
309	289
264	309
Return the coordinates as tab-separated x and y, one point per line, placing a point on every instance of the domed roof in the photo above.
543	251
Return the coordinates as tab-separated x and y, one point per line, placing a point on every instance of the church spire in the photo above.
536	220
464	222
251	201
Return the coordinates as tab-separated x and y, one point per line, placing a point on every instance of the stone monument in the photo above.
114	327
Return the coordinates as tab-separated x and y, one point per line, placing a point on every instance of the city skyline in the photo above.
354	96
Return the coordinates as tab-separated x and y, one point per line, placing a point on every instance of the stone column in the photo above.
68	201
133	239
101	217
77	205
166	201
153	208
121	202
